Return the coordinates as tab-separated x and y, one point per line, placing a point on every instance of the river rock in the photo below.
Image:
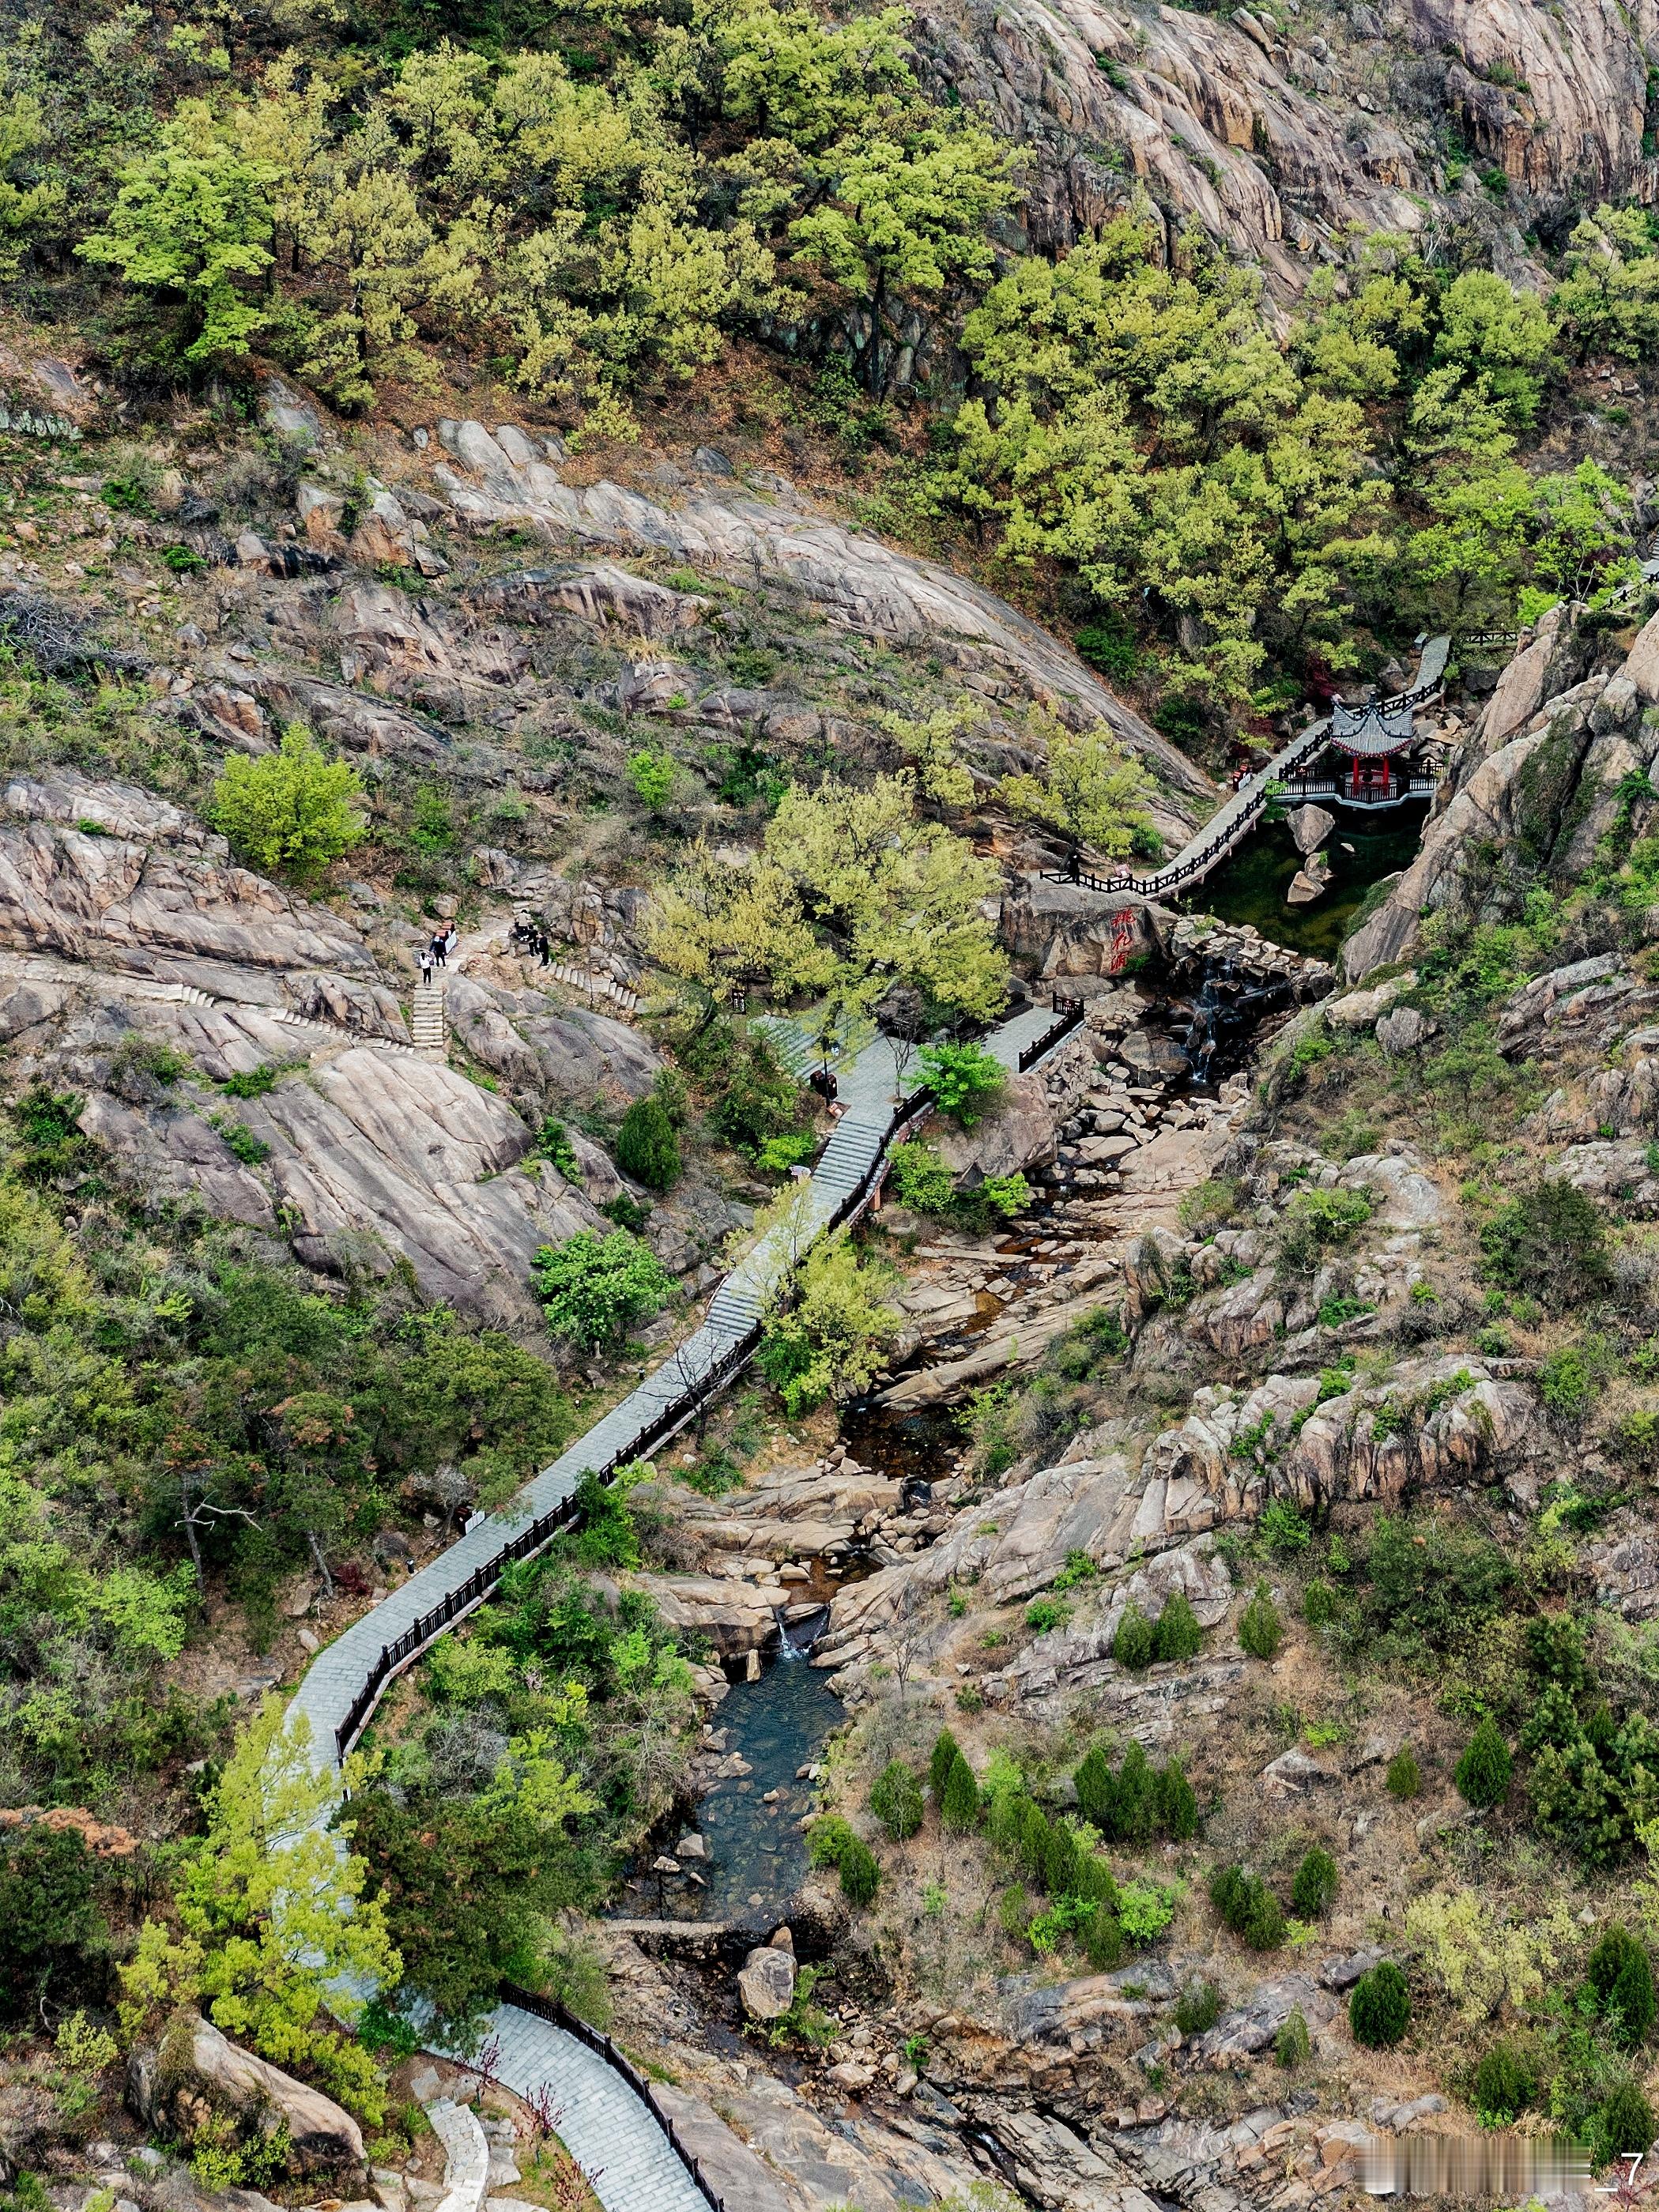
1310	826
766	1983
1019	1133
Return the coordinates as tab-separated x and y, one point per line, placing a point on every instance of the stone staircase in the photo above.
427	1025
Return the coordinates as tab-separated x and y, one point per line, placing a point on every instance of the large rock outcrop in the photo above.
199	2071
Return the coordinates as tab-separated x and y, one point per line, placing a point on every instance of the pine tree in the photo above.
1097	1792
944	1756
959	1806
1178	1635
1177	1804
1484	1771
1131	1646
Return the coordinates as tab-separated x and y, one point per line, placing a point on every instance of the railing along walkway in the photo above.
1232	823
344	1683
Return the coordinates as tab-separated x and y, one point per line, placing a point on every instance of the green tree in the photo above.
647	1147
1178	1635
959	1805
594	1289
833	1339
1095	788
50	1923
1315	1886
904	217
289	812
1490	329
1133	1643
1260	1630
1483	1773
967	1082
1380	2008
895	1800
1177	1803
191	222
1608	296
276	1931
940	1760
26	205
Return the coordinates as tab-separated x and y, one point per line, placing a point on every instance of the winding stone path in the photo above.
615	2135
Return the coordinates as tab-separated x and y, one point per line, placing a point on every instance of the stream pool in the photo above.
1362	849
757	1851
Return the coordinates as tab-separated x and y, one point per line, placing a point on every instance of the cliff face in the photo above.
1274	141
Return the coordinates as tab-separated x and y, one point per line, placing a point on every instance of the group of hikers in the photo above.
529	937
436	955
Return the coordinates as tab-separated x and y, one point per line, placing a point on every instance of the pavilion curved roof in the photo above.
1364	731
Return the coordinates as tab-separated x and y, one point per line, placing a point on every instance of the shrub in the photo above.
1137	1798
1133	1645
1177	1804
966	1081
761	1099
1624	2124
959	1806
1620	1974
1283	1529
1380	2008
922	1179
1096	1790
1484	1771
1260	1630
942	1757
1103	1938
1292	2044
834	1843
1315	1886
652	775
647	1147
50	1923
1249	1907
1318	1605
1566	1380
1403	1778
593	1288
1044	1614
1014	1911
1503	2086
1198	2008
1315	1220
1146	1910
1178	1635
895	1800
1551	1242
289	811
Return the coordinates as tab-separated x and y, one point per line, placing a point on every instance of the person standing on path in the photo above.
426	968
439	948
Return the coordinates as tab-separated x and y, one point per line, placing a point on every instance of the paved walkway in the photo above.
632	2166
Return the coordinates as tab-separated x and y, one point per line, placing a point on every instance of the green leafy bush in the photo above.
290	812
833	1842
1292	2044
594	1289
760	1099
648	1146
554	1145
1283	1529
1178	1635
921	1178
1249	1907
1623	2125
1260	1630
895	1800
1318	1605
1045	1613
1403	1779
651	774
1484	1772
1550	1242
1146	1909
1504	2086
967	1082
1619	1977
1314	1221
1198	2008
52	1937
1133	1643
1315	1886
1380	2007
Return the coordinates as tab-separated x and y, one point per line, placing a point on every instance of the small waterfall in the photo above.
796	1638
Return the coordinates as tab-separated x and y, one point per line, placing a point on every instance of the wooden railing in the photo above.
550	2008
1068	1016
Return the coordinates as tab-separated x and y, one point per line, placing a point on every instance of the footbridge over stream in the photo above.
611	2120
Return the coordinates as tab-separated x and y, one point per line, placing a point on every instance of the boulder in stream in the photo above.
766	1982
1310	826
